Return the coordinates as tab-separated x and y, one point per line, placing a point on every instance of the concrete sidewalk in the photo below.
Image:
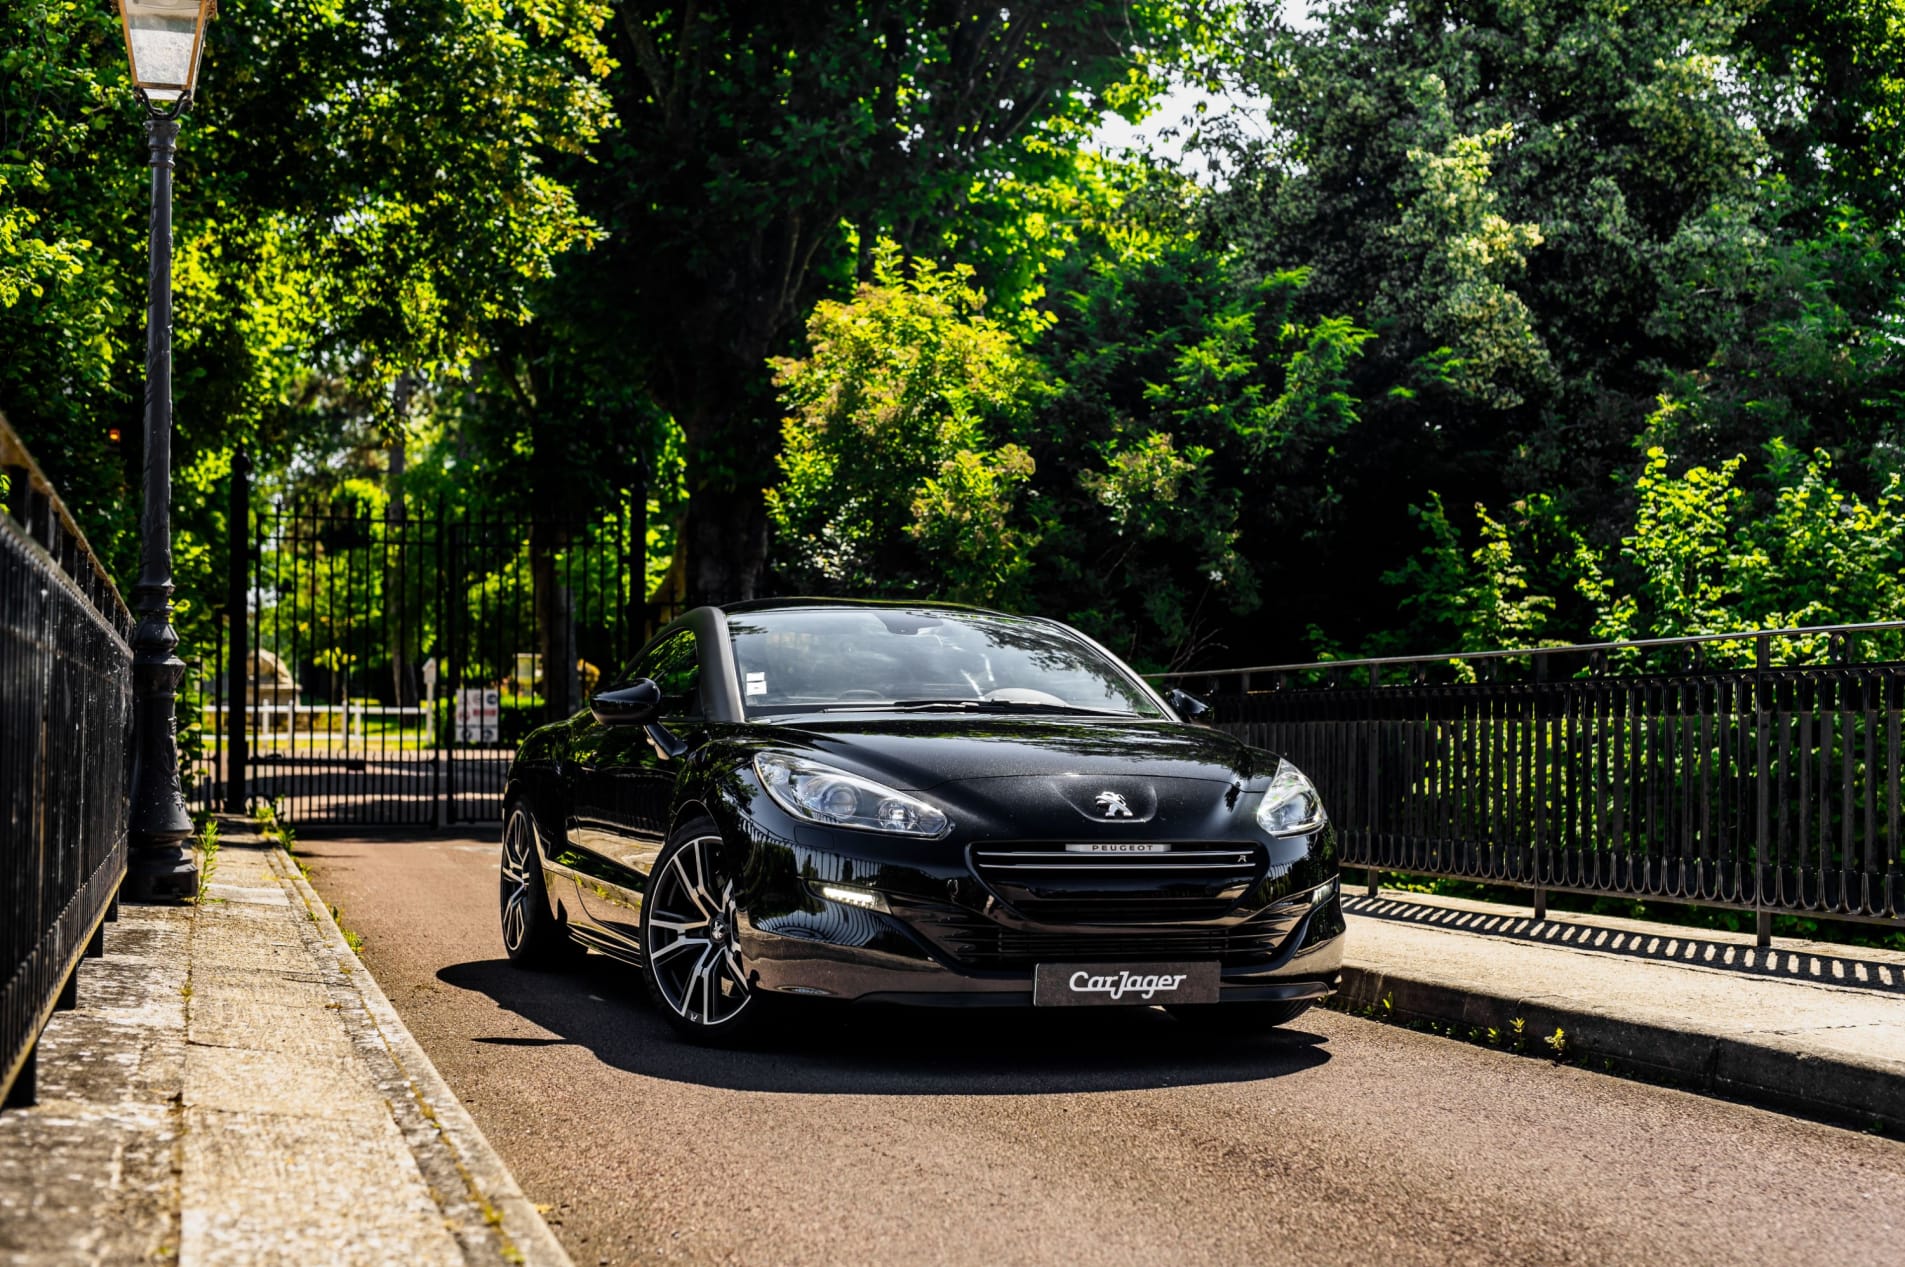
1809	1027
234	1088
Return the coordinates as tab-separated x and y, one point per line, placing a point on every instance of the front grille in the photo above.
1046	881
974	940
1017	947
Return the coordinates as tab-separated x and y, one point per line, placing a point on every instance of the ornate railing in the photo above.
65	757
1756	771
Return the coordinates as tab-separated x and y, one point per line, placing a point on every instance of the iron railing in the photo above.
1757	771
65	757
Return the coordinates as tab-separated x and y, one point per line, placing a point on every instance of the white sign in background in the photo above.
479	711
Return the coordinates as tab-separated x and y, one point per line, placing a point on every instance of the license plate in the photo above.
1123	984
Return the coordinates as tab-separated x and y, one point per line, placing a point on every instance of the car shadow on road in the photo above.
867	1050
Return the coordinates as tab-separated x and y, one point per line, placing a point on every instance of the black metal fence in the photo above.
65	757
387	664
1755	771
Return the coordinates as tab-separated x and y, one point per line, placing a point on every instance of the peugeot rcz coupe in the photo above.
920	804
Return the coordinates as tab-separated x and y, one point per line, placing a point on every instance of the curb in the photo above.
1828	1088
526	1236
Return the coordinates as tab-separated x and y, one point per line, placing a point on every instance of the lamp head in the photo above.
164	39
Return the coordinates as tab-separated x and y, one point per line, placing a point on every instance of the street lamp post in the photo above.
164	39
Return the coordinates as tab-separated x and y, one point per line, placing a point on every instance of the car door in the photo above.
624	782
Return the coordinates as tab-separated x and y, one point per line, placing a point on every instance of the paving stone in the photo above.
234	1089
230	1079
1801	1025
262	1189
54	1207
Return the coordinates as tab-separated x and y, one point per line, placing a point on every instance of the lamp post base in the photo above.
160	876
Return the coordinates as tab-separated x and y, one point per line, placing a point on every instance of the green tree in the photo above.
1825	80
1698	556
1507	194
1190	453
363	198
765	148
894	477
1108	470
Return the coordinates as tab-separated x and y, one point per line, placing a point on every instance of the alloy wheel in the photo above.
692	918
517	893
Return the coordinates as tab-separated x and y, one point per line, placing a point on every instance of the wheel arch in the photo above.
691	808
547	820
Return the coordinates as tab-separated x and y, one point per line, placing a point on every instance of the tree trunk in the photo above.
401	596
724	535
555	624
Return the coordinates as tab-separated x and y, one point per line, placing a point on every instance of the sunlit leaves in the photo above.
893	477
1697	556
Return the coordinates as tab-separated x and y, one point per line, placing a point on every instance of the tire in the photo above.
690	960
532	936
1238	1018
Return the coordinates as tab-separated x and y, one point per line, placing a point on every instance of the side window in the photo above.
673	666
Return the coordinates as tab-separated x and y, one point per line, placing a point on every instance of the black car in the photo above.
914	803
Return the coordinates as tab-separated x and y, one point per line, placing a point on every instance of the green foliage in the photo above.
1191	408
363	193
1804	330
205	837
962	518
1624	279
926	452
1700	556
1578	233
763	153
891	478
1826	78
1704	559
1463	297
1553	215
1477	600
71	273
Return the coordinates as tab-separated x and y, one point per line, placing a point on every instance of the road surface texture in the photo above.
1113	1136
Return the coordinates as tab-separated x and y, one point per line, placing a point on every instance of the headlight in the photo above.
1290	805
822	794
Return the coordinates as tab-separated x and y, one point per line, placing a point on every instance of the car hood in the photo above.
918	753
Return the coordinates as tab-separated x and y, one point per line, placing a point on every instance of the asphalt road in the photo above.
1114	1136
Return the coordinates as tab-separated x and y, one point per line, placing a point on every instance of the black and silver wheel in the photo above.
690	915
531	933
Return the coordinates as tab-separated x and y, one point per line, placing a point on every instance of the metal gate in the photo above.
380	667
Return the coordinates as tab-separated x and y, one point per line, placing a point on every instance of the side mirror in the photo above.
633	705
1188	706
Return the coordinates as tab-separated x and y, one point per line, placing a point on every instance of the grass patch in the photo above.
1514	1038
207	841
352	938
273	828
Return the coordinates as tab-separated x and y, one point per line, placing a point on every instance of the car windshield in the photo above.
846	658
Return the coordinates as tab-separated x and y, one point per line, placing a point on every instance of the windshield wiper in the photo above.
975	706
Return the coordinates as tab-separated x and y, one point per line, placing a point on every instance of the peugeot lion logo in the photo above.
1114	805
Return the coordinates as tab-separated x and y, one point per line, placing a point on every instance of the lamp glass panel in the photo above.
163	36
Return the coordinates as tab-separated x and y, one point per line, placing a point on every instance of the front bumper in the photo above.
954	928
870	956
